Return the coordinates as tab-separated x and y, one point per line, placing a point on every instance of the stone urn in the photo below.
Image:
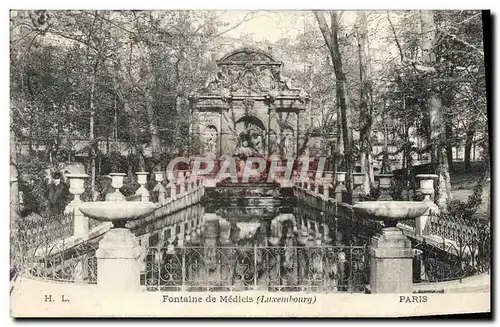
358	179
427	185
77	184
118	266
390	212
340	176
116	183
158	176
385	186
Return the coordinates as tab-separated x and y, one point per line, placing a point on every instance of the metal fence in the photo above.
274	269
35	230
39	249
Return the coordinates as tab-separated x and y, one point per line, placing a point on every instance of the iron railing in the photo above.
57	261
35	230
274	269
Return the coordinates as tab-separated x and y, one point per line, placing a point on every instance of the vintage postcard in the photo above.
208	163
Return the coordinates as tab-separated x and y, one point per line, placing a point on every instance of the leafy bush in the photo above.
397	187
33	184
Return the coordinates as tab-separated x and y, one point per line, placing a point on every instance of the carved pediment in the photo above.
247	55
249	72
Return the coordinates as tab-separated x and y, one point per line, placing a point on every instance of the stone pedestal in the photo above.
391	262
118	266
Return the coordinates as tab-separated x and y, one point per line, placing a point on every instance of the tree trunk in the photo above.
15	214
153	128
331	40
92	137
437	125
471	129
385	152
449	146
365	96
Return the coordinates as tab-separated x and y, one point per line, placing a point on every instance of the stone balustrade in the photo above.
427	227
185	191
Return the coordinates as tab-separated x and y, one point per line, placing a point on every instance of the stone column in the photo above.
391	262
116	183
142	180
118	266
80	222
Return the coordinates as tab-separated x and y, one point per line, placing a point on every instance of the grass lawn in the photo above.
462	185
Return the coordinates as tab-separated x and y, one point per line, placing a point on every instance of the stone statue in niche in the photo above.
273	142
210	138
288	142
250	139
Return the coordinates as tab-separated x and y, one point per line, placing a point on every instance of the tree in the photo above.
331	37
365	103
437	132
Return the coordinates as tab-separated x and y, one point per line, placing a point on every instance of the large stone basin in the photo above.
391	212
117	212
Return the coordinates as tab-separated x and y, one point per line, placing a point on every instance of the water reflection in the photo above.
195	250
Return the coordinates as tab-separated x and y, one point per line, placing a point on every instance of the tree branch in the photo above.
401	54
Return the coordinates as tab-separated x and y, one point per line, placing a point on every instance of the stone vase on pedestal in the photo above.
77	187
391	255
357	180
142	180
385	186
118	265
427	185
159	188
427	189
116	184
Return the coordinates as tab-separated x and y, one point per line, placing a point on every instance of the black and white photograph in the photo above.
249	163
